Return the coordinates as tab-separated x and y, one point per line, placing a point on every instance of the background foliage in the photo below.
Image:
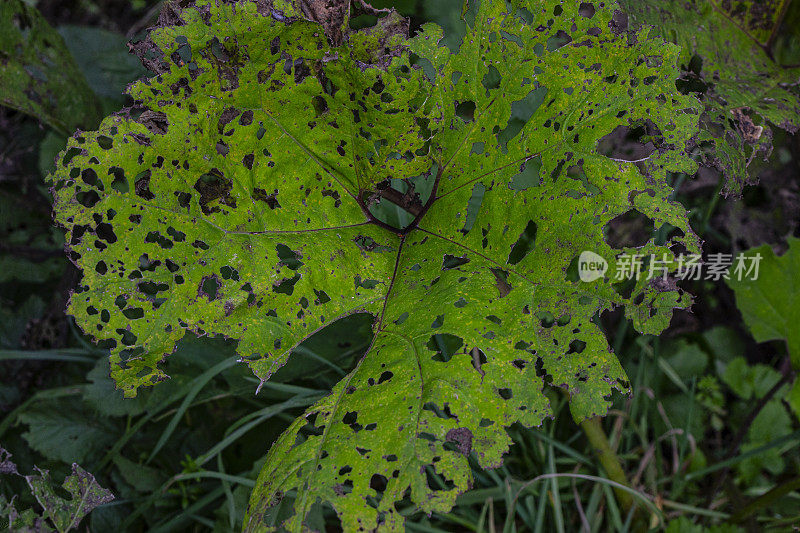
707	437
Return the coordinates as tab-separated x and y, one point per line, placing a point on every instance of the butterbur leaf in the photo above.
84	491
143	478
85	495
37	73
240	203
749	381
726	51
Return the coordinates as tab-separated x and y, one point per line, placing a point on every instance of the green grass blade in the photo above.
197	386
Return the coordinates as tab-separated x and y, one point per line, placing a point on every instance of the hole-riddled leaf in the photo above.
243	203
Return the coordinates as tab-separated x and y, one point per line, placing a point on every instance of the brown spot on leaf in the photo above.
154	121
462	437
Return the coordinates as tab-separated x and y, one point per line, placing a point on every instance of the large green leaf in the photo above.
727	45
66	434
37	73
104	59
769	303
244	201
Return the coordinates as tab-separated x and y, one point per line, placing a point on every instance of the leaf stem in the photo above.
593	430
405	201
774	33
766	499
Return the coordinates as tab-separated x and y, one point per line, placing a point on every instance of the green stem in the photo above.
766	499
712	205
593	429
775	29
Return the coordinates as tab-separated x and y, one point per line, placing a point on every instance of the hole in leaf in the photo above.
450	262
528	175
576	346
288	257
501	281
546	319
524	244
209	286
270	199
120	183
142	185
521	112
478	359
378	483
630	229
466	111
491	80
133	313
445	345
286	286
106	232
214	189
87	199
630	143
586	10
473	207
572	274
561	38
105	142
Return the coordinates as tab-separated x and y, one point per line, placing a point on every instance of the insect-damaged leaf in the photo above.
728	57
239	204
85	493
37	73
